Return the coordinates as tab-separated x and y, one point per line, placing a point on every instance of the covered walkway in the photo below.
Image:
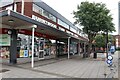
17	23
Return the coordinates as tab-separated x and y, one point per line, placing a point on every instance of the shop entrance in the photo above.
43	48
41	51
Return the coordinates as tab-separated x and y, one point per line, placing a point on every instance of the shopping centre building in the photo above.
33	29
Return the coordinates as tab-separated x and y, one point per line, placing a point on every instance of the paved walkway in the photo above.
16	72
76	67
80	68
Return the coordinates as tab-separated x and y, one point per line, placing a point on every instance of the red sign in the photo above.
27	32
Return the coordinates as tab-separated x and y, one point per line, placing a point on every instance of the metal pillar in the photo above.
68	47
84	47
13	47
56	46
106	44
33	30
84	50
79	48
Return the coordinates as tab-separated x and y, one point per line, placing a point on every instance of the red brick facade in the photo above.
117	38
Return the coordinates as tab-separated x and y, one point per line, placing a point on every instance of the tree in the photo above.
100	41
94	17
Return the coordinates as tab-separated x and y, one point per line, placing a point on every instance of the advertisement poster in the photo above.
21	53
25	53
30	53
4	40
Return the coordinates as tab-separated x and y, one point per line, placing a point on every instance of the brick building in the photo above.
117	40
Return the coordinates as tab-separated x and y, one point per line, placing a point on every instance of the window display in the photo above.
4	52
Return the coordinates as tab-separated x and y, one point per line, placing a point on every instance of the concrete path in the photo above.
16	72
82	68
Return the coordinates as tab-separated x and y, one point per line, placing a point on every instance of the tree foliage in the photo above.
94	17
100	40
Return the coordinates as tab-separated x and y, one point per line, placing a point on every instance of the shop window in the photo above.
44	13
73	30
49	16
62	29
60	22
37	9
53	18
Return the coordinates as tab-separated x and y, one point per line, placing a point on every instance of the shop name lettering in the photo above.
43	21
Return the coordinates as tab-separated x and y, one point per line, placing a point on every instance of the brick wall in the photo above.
117	38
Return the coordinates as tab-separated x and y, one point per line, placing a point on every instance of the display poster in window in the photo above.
30	53
25	53
21	53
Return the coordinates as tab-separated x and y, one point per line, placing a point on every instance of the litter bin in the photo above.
95	55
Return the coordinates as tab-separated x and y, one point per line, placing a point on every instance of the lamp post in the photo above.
106	43
108	47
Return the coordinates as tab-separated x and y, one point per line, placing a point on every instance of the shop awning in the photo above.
14	20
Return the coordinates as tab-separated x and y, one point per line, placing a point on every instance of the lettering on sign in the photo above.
43	21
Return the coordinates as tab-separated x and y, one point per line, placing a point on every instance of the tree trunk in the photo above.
90	36
89	49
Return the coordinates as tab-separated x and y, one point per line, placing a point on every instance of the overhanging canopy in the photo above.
14	20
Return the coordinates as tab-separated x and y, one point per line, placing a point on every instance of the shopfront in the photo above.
44	48
36	30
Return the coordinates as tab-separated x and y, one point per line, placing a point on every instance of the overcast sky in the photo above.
66	7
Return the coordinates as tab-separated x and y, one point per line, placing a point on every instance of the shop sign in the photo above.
4	40
43	21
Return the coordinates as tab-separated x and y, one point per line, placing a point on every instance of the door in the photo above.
41	49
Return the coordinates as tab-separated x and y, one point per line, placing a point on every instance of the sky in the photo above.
66	7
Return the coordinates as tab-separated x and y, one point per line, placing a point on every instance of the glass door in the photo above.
41	51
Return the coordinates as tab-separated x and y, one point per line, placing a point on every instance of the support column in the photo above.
56	48
13	47
33	30
79	48
84	56
68	47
